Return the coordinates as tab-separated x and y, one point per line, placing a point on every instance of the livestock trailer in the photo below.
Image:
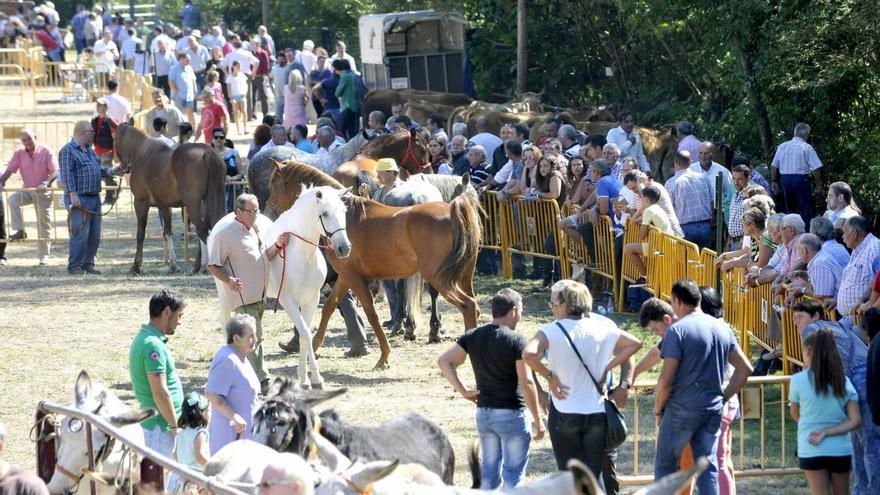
418	50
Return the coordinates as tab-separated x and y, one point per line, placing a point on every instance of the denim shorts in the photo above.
181	103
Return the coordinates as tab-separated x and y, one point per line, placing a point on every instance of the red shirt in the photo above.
265	63
212	117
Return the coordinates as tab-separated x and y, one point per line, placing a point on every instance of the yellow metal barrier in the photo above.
628	271
493	231
606	259
575	248
706	272
15	56
765	402
534	221
53	135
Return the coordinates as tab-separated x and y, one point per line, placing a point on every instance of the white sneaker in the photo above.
2	261
44	260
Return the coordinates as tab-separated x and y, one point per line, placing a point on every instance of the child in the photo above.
186	133
212	82
160	125
826	407
238	88
105	130
191	442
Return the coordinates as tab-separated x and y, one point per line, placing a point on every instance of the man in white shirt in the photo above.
263	33
840	204
118	107
340	54
245	58
326	140
159	35
710	169
279	138
127	50
106	53
307	56
627	138
485	138
198	58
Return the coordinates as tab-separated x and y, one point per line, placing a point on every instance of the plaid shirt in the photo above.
824	274
735	226
796	157
691	196
81	171
858	275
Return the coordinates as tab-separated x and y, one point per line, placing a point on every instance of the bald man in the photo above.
287	474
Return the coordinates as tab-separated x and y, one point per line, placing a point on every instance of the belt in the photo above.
699	221
85	194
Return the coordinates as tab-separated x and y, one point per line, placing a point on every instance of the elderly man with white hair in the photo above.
326	140
279	138
214	38
611	154
796	161
342	55
14	480
39	169
307	56
567	135
823	271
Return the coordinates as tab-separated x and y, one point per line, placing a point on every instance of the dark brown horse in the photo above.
409	150
438	240
190	176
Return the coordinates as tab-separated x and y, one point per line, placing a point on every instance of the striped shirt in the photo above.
80	169
691	196
714	171
796	157
838	253
824	274
479	173
858	275
735	226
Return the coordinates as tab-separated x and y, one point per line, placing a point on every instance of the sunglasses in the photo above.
218	136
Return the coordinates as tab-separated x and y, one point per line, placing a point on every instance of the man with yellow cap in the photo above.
389	177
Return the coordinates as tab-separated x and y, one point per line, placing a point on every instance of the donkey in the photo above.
114	465
286	417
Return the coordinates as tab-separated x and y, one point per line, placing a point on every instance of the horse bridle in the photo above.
410	155
101	456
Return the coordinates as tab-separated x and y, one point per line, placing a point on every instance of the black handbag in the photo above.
615	426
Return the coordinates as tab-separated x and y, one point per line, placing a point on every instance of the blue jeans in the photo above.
680	426
798	193
700	233
865	441
85	233
393	299
504	440
279	105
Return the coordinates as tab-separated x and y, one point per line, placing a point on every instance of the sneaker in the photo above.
18	236
354	353
44	260
774	354
2	262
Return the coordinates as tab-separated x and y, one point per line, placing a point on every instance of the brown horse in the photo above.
409	150
191	176
437	240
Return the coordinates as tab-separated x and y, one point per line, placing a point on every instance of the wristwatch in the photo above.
624	385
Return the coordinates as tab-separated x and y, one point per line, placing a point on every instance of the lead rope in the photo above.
283	254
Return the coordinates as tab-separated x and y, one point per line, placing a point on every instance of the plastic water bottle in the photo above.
601	310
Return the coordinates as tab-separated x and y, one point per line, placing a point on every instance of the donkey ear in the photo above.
466	179
82	389
373	472
131	417
584	481
328	453
316	396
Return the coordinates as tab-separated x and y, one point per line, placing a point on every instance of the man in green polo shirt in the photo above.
153	375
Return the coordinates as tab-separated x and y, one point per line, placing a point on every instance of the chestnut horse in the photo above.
191	176
437	240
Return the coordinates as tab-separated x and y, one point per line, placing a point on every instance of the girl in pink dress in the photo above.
295	100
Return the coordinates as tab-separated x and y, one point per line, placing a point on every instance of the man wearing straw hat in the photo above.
38	168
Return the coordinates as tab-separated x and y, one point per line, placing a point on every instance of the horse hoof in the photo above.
434	339
319	385
135	272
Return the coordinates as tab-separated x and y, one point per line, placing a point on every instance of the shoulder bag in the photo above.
615	427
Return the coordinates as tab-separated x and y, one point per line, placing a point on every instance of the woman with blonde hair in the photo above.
295	101
581	348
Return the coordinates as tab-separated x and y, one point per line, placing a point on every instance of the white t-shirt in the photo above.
595	338
237	84
117	107
346	57
166	40
245	58
105	54
488	141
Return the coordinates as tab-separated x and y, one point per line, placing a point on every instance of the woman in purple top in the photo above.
233	386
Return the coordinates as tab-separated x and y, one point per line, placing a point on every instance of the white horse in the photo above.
318	212
114	465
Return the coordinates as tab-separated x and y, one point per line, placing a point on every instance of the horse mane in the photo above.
137	143
307	174
357	205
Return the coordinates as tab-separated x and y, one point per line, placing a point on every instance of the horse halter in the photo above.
410	155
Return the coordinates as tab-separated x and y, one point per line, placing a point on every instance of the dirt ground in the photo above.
52	325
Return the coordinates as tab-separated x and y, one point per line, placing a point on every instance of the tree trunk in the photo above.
758	106
522	65
267	14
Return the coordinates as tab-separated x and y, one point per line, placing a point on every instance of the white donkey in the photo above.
318	212
114	466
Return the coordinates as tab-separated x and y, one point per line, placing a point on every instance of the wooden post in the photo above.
267	14
522	65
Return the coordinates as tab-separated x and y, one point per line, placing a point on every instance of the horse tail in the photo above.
467	232
474	465
215	199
